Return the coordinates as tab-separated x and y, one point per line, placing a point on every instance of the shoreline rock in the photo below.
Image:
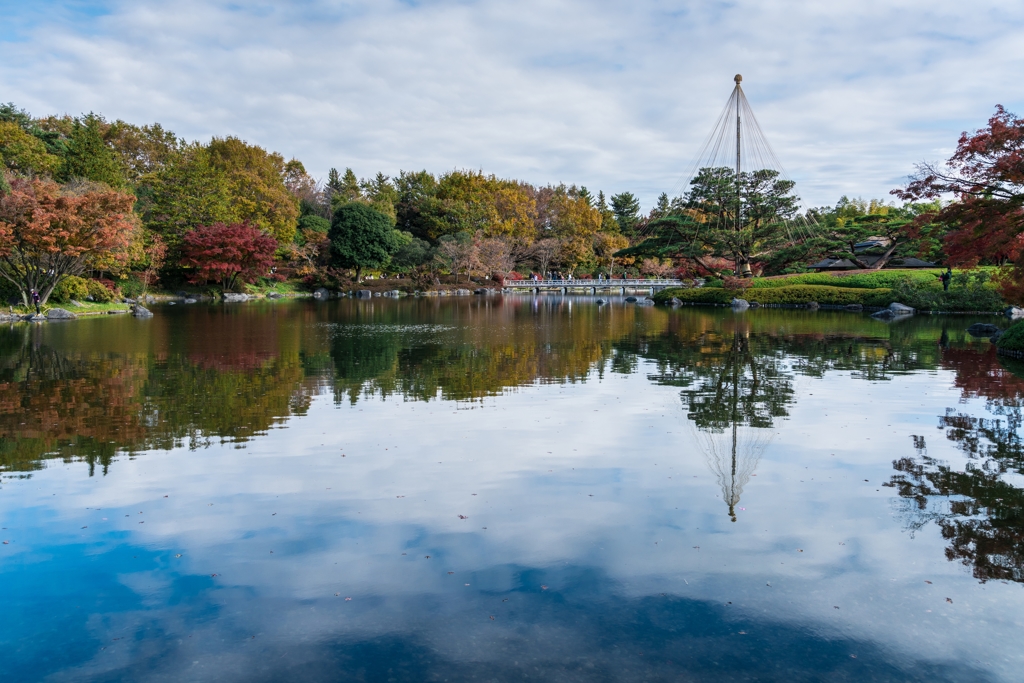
60	314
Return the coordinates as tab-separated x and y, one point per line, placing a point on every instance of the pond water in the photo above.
508	489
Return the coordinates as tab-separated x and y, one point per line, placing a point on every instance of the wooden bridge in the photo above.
591	286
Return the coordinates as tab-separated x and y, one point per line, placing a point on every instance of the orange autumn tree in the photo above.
48	232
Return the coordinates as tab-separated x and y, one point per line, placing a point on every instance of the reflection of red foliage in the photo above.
980	375
233	342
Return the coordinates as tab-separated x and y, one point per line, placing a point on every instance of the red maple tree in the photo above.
228	254
986	178
48	232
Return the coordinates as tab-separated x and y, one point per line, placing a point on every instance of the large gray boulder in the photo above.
273	295
813	305
901	309
648	301
321	294
234	297
631	299
740	304
1012	312
60	314
463	292
141	312
675	302
982	330
854	307
364	294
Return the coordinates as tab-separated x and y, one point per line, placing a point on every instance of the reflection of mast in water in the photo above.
733	460
733	455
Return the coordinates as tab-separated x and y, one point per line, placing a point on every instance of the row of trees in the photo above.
193	209
82	194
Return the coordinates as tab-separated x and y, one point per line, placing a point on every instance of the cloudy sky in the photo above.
612	95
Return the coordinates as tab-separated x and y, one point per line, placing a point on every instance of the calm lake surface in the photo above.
508	489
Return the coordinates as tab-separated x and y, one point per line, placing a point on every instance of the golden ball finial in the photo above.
738	78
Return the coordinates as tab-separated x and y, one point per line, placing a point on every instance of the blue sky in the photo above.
614	96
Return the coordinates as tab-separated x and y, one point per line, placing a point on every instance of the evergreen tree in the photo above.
362	237
88	155
626	208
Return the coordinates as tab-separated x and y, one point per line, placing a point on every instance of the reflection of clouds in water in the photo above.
732	455
571	623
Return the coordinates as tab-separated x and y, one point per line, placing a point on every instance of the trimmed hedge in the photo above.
864	280
794	294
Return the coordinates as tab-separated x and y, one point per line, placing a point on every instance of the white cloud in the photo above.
614	96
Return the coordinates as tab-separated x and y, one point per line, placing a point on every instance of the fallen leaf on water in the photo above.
337	594
450	573
7	542
178	555
492	618
463	517
949	601
835	606
348	599
927	581
801	549
426	557
543	588
212	575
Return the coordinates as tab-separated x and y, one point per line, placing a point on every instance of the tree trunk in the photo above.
885	257
359	274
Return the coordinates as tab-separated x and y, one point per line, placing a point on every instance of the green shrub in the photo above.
71	287
714	283
99	291
132	287
1012	338
795	294
969	291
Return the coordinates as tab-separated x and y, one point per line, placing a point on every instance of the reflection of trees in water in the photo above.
93	405
979	511
470	350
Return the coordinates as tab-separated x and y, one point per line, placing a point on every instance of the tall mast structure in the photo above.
738	96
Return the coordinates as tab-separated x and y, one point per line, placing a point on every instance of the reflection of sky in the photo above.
596	538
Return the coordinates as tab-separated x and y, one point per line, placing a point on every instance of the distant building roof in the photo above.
847	264
834	264
872	243
911	263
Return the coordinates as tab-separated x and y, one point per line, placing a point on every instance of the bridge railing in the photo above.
593	283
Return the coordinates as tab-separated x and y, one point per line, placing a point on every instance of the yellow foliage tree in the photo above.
24	153
256	186
575	222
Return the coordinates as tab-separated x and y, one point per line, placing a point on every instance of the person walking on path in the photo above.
35	301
